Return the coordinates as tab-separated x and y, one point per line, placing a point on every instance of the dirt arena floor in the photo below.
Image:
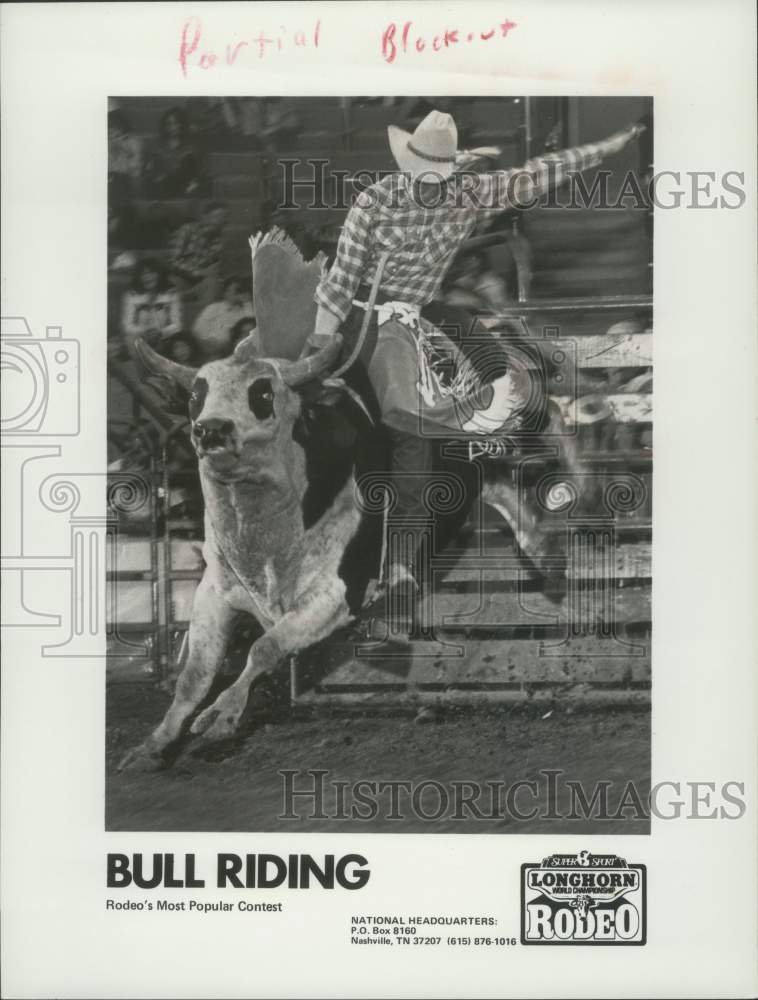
240	789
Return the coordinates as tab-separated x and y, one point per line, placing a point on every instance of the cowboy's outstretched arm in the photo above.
521	187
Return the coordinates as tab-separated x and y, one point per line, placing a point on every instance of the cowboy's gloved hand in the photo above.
465	157
619	140
327	325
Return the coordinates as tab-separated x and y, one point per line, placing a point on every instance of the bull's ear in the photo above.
158	365
283	287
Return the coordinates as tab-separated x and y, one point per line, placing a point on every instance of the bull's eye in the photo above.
197	397
260	398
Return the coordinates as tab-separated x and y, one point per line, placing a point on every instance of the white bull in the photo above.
263	555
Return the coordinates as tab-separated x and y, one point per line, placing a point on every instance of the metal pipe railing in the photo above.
592	303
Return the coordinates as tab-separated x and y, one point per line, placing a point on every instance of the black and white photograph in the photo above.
380	397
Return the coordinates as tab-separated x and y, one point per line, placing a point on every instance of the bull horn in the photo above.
159	365
314	365
247	349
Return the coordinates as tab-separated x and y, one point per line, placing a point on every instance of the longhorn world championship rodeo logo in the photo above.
583	898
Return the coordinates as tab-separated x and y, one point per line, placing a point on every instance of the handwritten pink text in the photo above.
196	53
405	39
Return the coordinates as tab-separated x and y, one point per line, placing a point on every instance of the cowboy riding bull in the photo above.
283	510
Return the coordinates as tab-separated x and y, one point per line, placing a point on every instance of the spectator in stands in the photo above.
269	122
195	253
124	159
217	122
151	309
214	326
181	348
174	168
122	235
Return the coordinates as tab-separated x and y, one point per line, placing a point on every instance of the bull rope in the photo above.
369	309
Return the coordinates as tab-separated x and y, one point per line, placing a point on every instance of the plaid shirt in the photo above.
421	241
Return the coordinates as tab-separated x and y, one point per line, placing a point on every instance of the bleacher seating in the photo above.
572	253
588	252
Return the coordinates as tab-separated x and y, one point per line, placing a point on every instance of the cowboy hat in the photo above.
430	151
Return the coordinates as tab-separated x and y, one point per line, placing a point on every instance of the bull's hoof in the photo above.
220	720
212	751
204	721
215	726
142	760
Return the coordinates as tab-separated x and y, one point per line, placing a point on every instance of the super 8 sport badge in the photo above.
583	898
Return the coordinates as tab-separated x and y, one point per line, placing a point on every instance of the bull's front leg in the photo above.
209	634
317	617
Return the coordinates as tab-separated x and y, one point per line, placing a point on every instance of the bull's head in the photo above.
242	405
243	408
